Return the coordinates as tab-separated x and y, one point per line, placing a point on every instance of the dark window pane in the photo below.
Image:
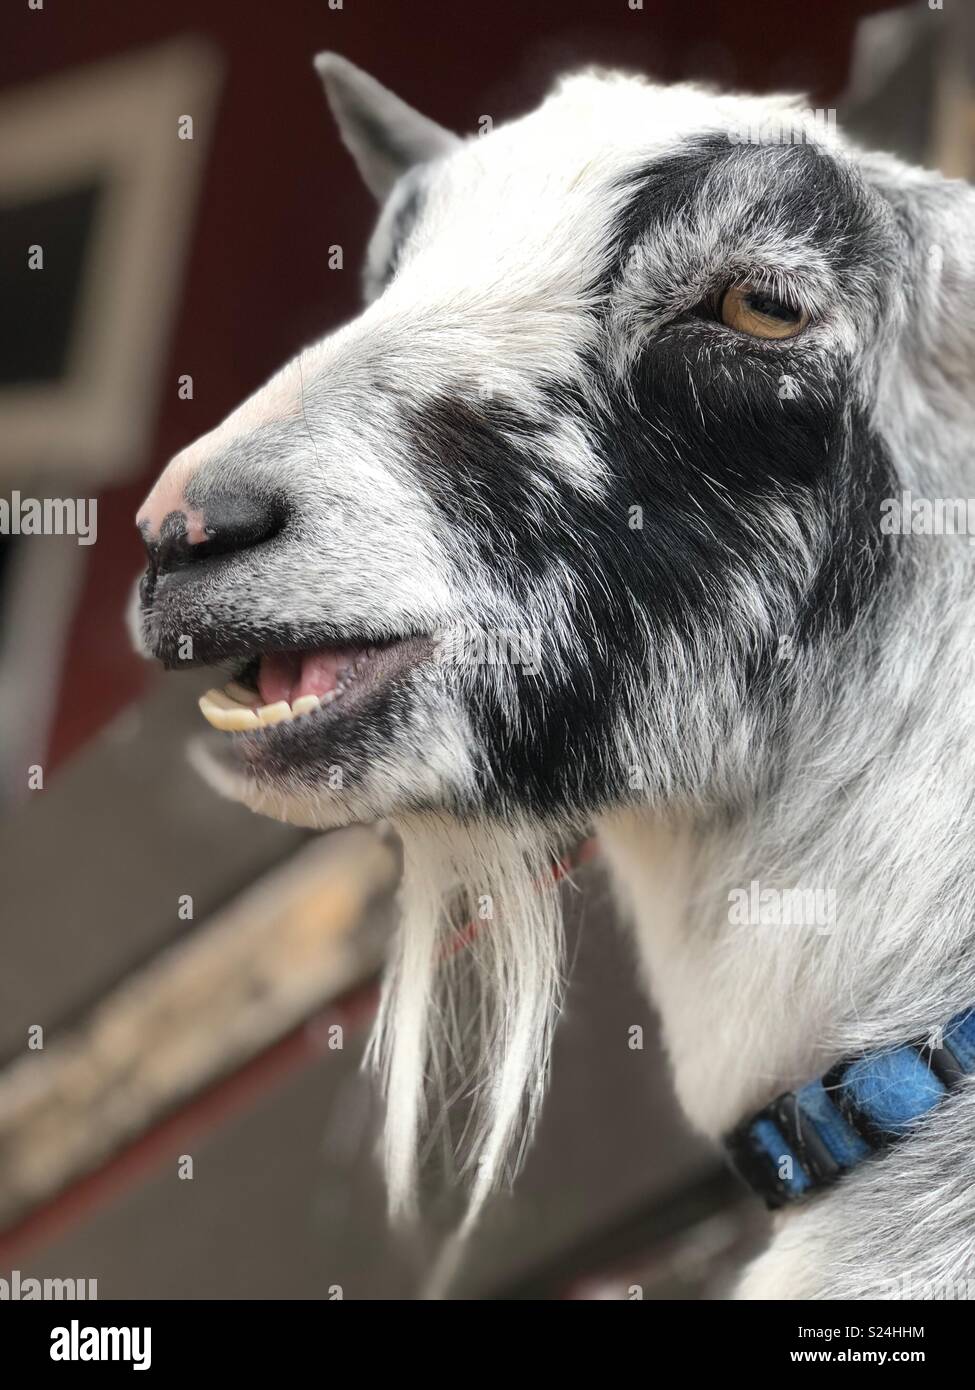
40	306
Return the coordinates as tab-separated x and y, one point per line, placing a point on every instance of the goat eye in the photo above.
760	314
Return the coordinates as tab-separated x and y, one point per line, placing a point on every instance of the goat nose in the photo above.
224	524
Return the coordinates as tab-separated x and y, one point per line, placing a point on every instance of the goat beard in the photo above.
469	1004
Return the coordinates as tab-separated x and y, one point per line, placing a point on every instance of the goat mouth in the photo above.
297	687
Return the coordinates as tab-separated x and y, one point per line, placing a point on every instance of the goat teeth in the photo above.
274	714
222	700
305	704
329	696
226	714
241	695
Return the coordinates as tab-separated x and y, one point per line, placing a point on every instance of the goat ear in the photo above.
937	216
384	136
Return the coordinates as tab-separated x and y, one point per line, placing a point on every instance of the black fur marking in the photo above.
716	460
803	192
478	465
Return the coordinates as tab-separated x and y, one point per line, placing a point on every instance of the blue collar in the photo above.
806	1139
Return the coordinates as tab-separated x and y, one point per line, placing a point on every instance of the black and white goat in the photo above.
581	522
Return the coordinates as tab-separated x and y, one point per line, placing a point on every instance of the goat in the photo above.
586	520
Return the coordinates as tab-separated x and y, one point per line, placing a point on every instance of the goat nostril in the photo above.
239	522
222	525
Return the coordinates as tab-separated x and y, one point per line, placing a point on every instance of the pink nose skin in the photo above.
233	519
166	497
280	399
